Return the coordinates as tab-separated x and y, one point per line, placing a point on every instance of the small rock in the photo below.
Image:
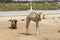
22	19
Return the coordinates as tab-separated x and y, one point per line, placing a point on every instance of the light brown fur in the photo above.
33	16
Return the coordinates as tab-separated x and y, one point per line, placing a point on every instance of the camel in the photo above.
44	16
13	24
33	16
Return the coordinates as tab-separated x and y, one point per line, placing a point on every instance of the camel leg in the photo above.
37	28
27	25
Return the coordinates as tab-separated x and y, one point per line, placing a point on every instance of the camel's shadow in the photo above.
26	33
12	28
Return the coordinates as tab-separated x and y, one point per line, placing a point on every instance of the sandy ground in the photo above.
48	29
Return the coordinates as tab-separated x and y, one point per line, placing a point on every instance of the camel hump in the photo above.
33	13
37	13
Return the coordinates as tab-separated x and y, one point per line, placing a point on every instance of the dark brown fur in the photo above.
13	24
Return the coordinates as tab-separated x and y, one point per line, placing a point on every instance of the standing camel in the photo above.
33	16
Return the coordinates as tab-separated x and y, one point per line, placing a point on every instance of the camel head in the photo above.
13	21
40	16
